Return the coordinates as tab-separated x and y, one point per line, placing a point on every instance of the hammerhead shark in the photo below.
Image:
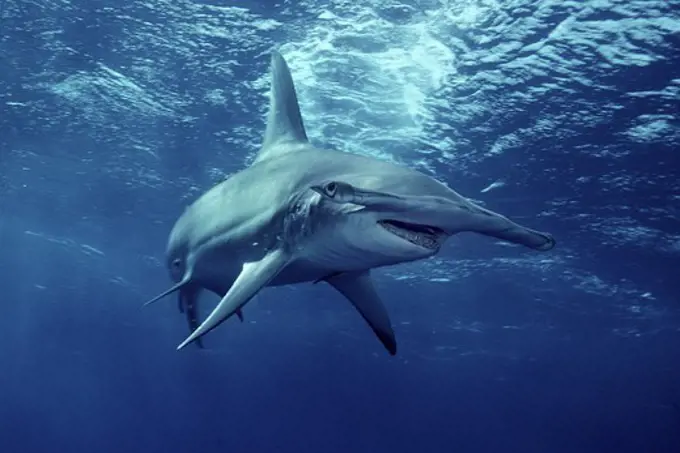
300	214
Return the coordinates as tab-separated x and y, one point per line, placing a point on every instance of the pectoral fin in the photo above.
252	278
188	304
358	288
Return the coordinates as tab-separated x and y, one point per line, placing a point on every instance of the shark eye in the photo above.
176	264
331	188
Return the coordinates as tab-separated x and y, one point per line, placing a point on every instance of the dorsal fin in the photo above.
284	122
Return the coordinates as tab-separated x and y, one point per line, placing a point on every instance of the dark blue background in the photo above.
575	350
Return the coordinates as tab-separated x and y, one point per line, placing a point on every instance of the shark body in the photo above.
304	214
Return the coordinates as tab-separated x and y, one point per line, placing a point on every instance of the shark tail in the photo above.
188	301
185	281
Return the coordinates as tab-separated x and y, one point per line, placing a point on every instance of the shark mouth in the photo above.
421	235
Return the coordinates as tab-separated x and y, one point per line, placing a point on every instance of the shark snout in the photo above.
527	237
496	225
548	242
450	215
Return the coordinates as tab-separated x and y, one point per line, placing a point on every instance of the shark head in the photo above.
367	226
425	221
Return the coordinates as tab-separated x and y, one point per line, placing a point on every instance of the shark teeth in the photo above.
421	235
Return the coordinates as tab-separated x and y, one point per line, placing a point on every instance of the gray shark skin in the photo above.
304	214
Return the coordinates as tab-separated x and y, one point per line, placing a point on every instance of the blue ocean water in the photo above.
114	116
